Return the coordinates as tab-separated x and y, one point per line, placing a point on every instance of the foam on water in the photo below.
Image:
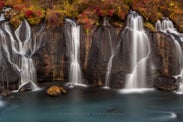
70	85
166	116
136	90
1	103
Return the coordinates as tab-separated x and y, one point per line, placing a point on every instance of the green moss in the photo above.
149	26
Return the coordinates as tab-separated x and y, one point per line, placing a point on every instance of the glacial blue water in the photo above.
93	105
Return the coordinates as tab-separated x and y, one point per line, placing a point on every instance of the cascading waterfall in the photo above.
166	26
140	50
75	77
23	46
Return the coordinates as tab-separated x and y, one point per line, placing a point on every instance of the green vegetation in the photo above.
88	12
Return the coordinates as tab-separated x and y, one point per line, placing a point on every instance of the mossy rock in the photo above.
55	91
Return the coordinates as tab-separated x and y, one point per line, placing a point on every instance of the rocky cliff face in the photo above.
164	55
103	42
166	62
52	59
162	61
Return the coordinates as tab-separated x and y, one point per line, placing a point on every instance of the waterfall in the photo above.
23	46
139	51
166	26
109	65
75	77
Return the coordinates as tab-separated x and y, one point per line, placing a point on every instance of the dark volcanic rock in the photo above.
103	41
166	83
164	55
50	59
121	62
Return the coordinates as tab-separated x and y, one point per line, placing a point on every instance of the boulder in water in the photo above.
166	83
28	86
55	91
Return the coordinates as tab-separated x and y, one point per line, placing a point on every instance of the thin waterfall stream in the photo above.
109	65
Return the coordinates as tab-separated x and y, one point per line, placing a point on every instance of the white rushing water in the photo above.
75	77
23	46
136	90
166	26
140	50
109	65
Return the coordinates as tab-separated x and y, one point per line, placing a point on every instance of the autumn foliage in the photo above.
92	11
88	12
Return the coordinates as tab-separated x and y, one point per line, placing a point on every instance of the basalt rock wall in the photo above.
52	60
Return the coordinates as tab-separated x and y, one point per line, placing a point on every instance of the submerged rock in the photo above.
166	83
55	91
6	93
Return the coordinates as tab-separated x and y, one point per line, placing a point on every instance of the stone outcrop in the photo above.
165	61
164	55
166	83
103	41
